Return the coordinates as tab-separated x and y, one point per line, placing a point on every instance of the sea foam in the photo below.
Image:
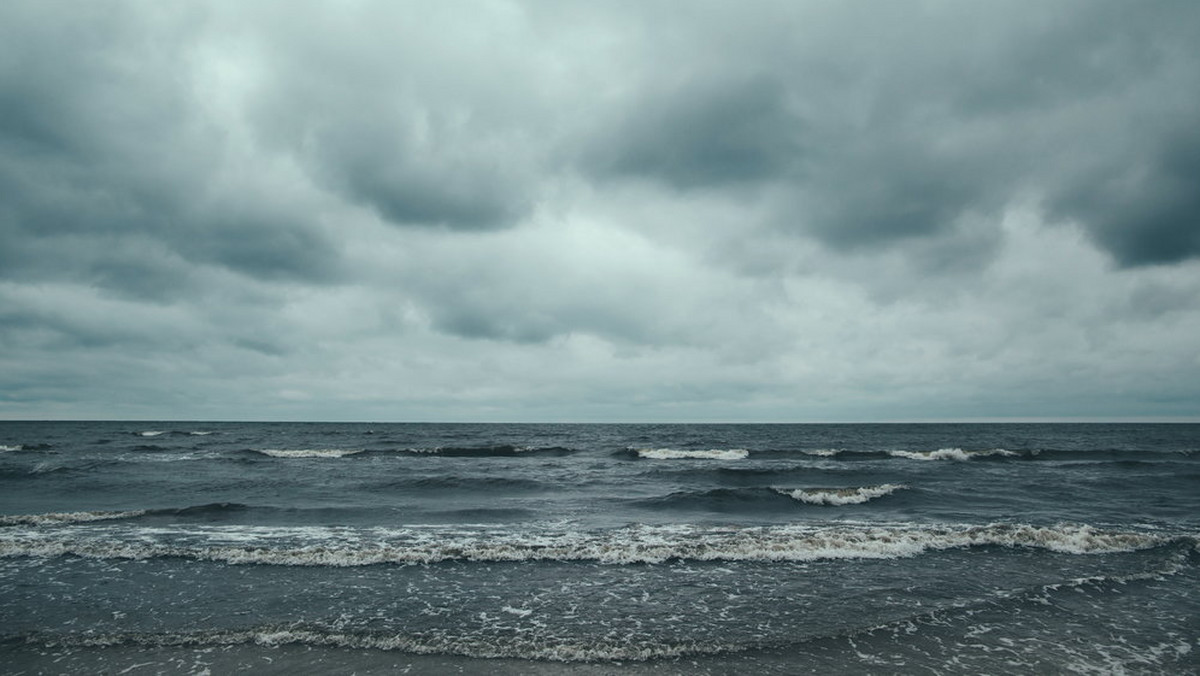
347	547
55	518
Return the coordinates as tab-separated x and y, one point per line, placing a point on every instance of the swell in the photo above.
442	483
347	547
512	645
760	498
61	518
958	454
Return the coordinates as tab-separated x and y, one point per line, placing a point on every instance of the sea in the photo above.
283	548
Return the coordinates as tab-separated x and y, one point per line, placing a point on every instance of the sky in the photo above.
642	210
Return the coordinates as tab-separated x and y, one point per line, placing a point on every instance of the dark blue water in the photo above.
998	548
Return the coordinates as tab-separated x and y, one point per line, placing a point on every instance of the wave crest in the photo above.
840	496
951	454
711	454
307	452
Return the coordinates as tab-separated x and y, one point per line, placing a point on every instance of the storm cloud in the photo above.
599	211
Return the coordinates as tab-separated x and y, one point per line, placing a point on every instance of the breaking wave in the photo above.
674	454
348	547
497	451
952	454
307	452
56	518
840	496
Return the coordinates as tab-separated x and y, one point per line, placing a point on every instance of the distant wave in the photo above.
674	454
496	451
342	547
840	496
159	433
1002	454
952	454
938	454
307	452
474	483
15	448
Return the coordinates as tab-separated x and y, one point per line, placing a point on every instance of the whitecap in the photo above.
840	496
344	547
151	433
5	449
950	454
823	452
307	452
712	454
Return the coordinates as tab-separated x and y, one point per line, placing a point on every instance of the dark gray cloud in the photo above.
703	134
1146	211
110	175
898	124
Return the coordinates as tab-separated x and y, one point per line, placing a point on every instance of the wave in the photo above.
675	454
56	518
952	454
478	483
210	509
717	499
61	518
840	496
307	452
348	547
496	451
999	454
16	448
824	452
532	646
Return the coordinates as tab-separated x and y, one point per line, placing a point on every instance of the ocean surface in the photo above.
169	547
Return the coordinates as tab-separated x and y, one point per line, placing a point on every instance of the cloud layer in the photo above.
614	211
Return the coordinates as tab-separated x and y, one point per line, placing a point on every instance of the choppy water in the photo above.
1002	548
